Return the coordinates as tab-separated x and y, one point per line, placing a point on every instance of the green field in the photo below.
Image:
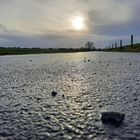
18	50
128	48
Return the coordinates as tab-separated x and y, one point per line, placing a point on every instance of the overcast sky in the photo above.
48	23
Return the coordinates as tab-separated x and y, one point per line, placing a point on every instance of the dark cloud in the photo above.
118	20
132	28
45	41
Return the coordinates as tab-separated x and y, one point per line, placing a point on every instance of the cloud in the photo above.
47	23
3	28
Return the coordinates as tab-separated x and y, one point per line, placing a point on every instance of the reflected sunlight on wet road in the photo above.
87	84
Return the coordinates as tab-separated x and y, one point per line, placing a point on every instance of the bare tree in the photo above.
90	45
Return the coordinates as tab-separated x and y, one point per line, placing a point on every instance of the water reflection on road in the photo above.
87	84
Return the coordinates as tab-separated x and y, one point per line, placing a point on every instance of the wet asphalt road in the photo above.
87	84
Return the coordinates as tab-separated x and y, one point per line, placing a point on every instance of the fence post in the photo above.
115	45
132	39
120	43
112	45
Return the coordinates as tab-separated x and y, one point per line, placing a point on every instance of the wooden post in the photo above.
120	43
115	45
132	39
112	45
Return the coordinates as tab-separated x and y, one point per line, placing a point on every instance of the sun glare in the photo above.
78	23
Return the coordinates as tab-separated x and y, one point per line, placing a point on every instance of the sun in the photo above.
78	23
